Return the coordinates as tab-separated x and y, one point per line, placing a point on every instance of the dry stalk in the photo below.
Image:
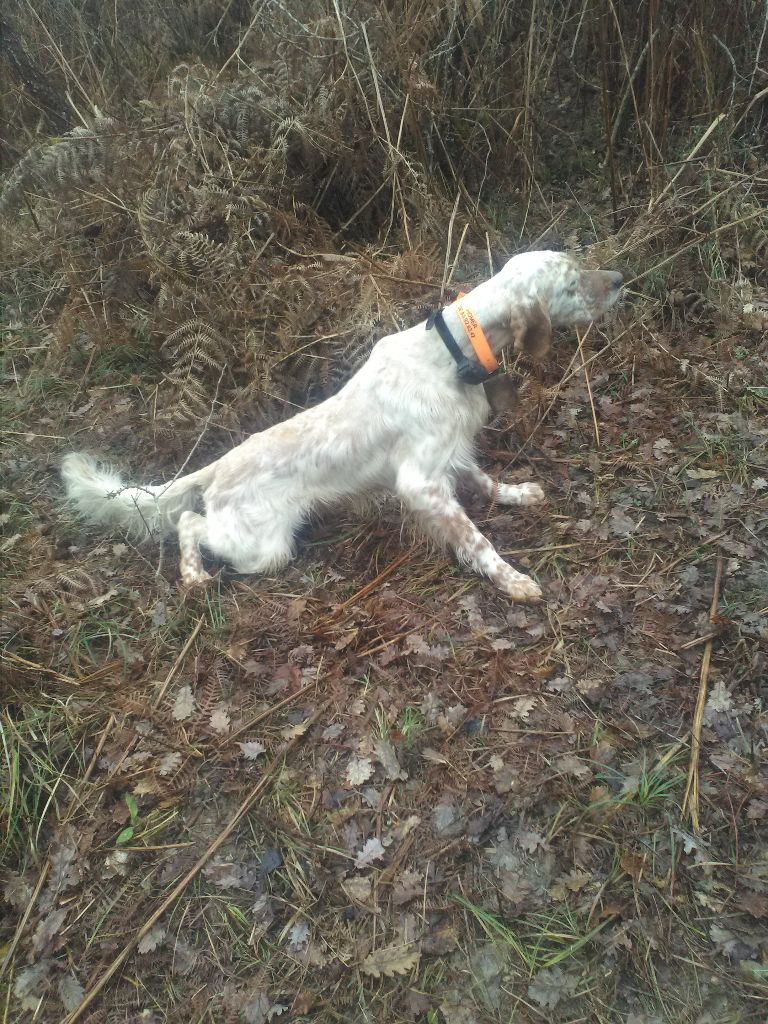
589	385
691	798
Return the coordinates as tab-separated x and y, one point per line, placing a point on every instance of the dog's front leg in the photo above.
504	494
434	503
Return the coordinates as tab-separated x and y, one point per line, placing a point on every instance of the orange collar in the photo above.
476	335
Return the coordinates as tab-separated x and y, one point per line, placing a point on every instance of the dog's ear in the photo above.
532	330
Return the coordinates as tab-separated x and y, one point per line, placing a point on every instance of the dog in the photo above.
405	424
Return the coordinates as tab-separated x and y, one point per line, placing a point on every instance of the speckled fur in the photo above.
404	424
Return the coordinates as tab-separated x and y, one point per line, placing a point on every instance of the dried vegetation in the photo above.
369	789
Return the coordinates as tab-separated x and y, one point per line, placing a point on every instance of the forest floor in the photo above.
372	789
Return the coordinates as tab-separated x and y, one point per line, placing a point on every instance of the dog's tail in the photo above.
101	497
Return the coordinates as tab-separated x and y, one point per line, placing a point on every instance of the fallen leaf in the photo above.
522	707
357	888
530	841
408	885
256	1009
359	770
569	764
371	851
71	992
46	932
444	816
224	874
621	524
757	809
433	755
30	984
292	732
252	749
388	758
65	871
390	960
332	732
150	942
299	936
169	763
503	645
549	986
633	864
219	721
719	700
185	704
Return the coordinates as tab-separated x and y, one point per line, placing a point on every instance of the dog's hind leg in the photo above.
193	530
259	539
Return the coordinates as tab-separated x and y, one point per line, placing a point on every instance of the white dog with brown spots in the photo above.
404	424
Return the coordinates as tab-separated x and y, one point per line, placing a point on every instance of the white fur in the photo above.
404	424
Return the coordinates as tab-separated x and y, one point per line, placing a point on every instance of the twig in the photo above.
177	664
691	798
589	386
655	202
365	590
178	889
268	713
448	245
697	241
32	666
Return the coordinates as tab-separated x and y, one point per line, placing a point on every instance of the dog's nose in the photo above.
617	280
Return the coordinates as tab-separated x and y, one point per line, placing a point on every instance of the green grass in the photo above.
538	940
40	753
410	726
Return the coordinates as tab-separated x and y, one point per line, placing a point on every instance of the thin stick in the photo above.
178	663
22	663
367	588
683	165
697	241
589	386
268	713
178	889
691	798
448	245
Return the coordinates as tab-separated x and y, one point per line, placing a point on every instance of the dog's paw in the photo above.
519	587
195	579
533	494
520	494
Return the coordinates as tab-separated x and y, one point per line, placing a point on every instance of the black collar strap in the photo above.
470	372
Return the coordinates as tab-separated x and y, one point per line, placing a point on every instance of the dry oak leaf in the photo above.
390	960
152	939
371	851
385	752
71	992
357	888
185	704
169	763
220	720
293	732
252	749
359	770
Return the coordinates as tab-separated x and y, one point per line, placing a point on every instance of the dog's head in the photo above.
551	289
